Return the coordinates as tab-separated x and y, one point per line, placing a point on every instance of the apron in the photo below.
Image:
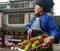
37	29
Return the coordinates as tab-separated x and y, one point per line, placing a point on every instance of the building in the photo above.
14	15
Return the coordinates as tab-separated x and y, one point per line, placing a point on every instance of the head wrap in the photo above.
45	4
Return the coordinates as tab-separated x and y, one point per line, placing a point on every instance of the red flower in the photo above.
41	41
19	45
43	36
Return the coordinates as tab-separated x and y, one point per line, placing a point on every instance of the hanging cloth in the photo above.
36	27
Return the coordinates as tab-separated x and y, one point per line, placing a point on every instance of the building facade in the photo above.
14	15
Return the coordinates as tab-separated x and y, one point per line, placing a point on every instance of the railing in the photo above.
20	5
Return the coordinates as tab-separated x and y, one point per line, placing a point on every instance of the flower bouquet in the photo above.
35	43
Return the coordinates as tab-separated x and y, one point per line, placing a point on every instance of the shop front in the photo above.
10	37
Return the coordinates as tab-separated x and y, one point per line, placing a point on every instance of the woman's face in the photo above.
38	10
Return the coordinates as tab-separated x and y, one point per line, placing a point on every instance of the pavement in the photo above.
5	49
56	47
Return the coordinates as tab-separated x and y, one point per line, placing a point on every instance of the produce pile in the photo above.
34	42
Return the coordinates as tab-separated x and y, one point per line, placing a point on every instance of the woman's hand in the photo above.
48	42
30	31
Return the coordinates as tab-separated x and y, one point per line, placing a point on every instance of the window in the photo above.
15	5
22	5
26	5
12	5
16	18
33	4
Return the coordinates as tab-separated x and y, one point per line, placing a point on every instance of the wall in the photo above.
1	19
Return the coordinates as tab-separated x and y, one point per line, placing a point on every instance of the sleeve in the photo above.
53	29
28	26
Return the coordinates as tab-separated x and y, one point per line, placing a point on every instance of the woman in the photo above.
48	24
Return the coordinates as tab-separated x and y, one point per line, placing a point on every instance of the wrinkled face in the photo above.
38	10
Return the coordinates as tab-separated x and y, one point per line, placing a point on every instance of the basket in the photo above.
32	49
36	48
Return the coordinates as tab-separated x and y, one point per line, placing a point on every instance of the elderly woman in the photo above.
42	21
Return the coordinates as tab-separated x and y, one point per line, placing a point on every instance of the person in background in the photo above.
42	7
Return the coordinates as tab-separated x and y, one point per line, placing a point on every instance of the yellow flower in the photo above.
45	39
26	47
33	45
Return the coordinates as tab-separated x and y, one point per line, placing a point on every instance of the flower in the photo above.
34	41
43	36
